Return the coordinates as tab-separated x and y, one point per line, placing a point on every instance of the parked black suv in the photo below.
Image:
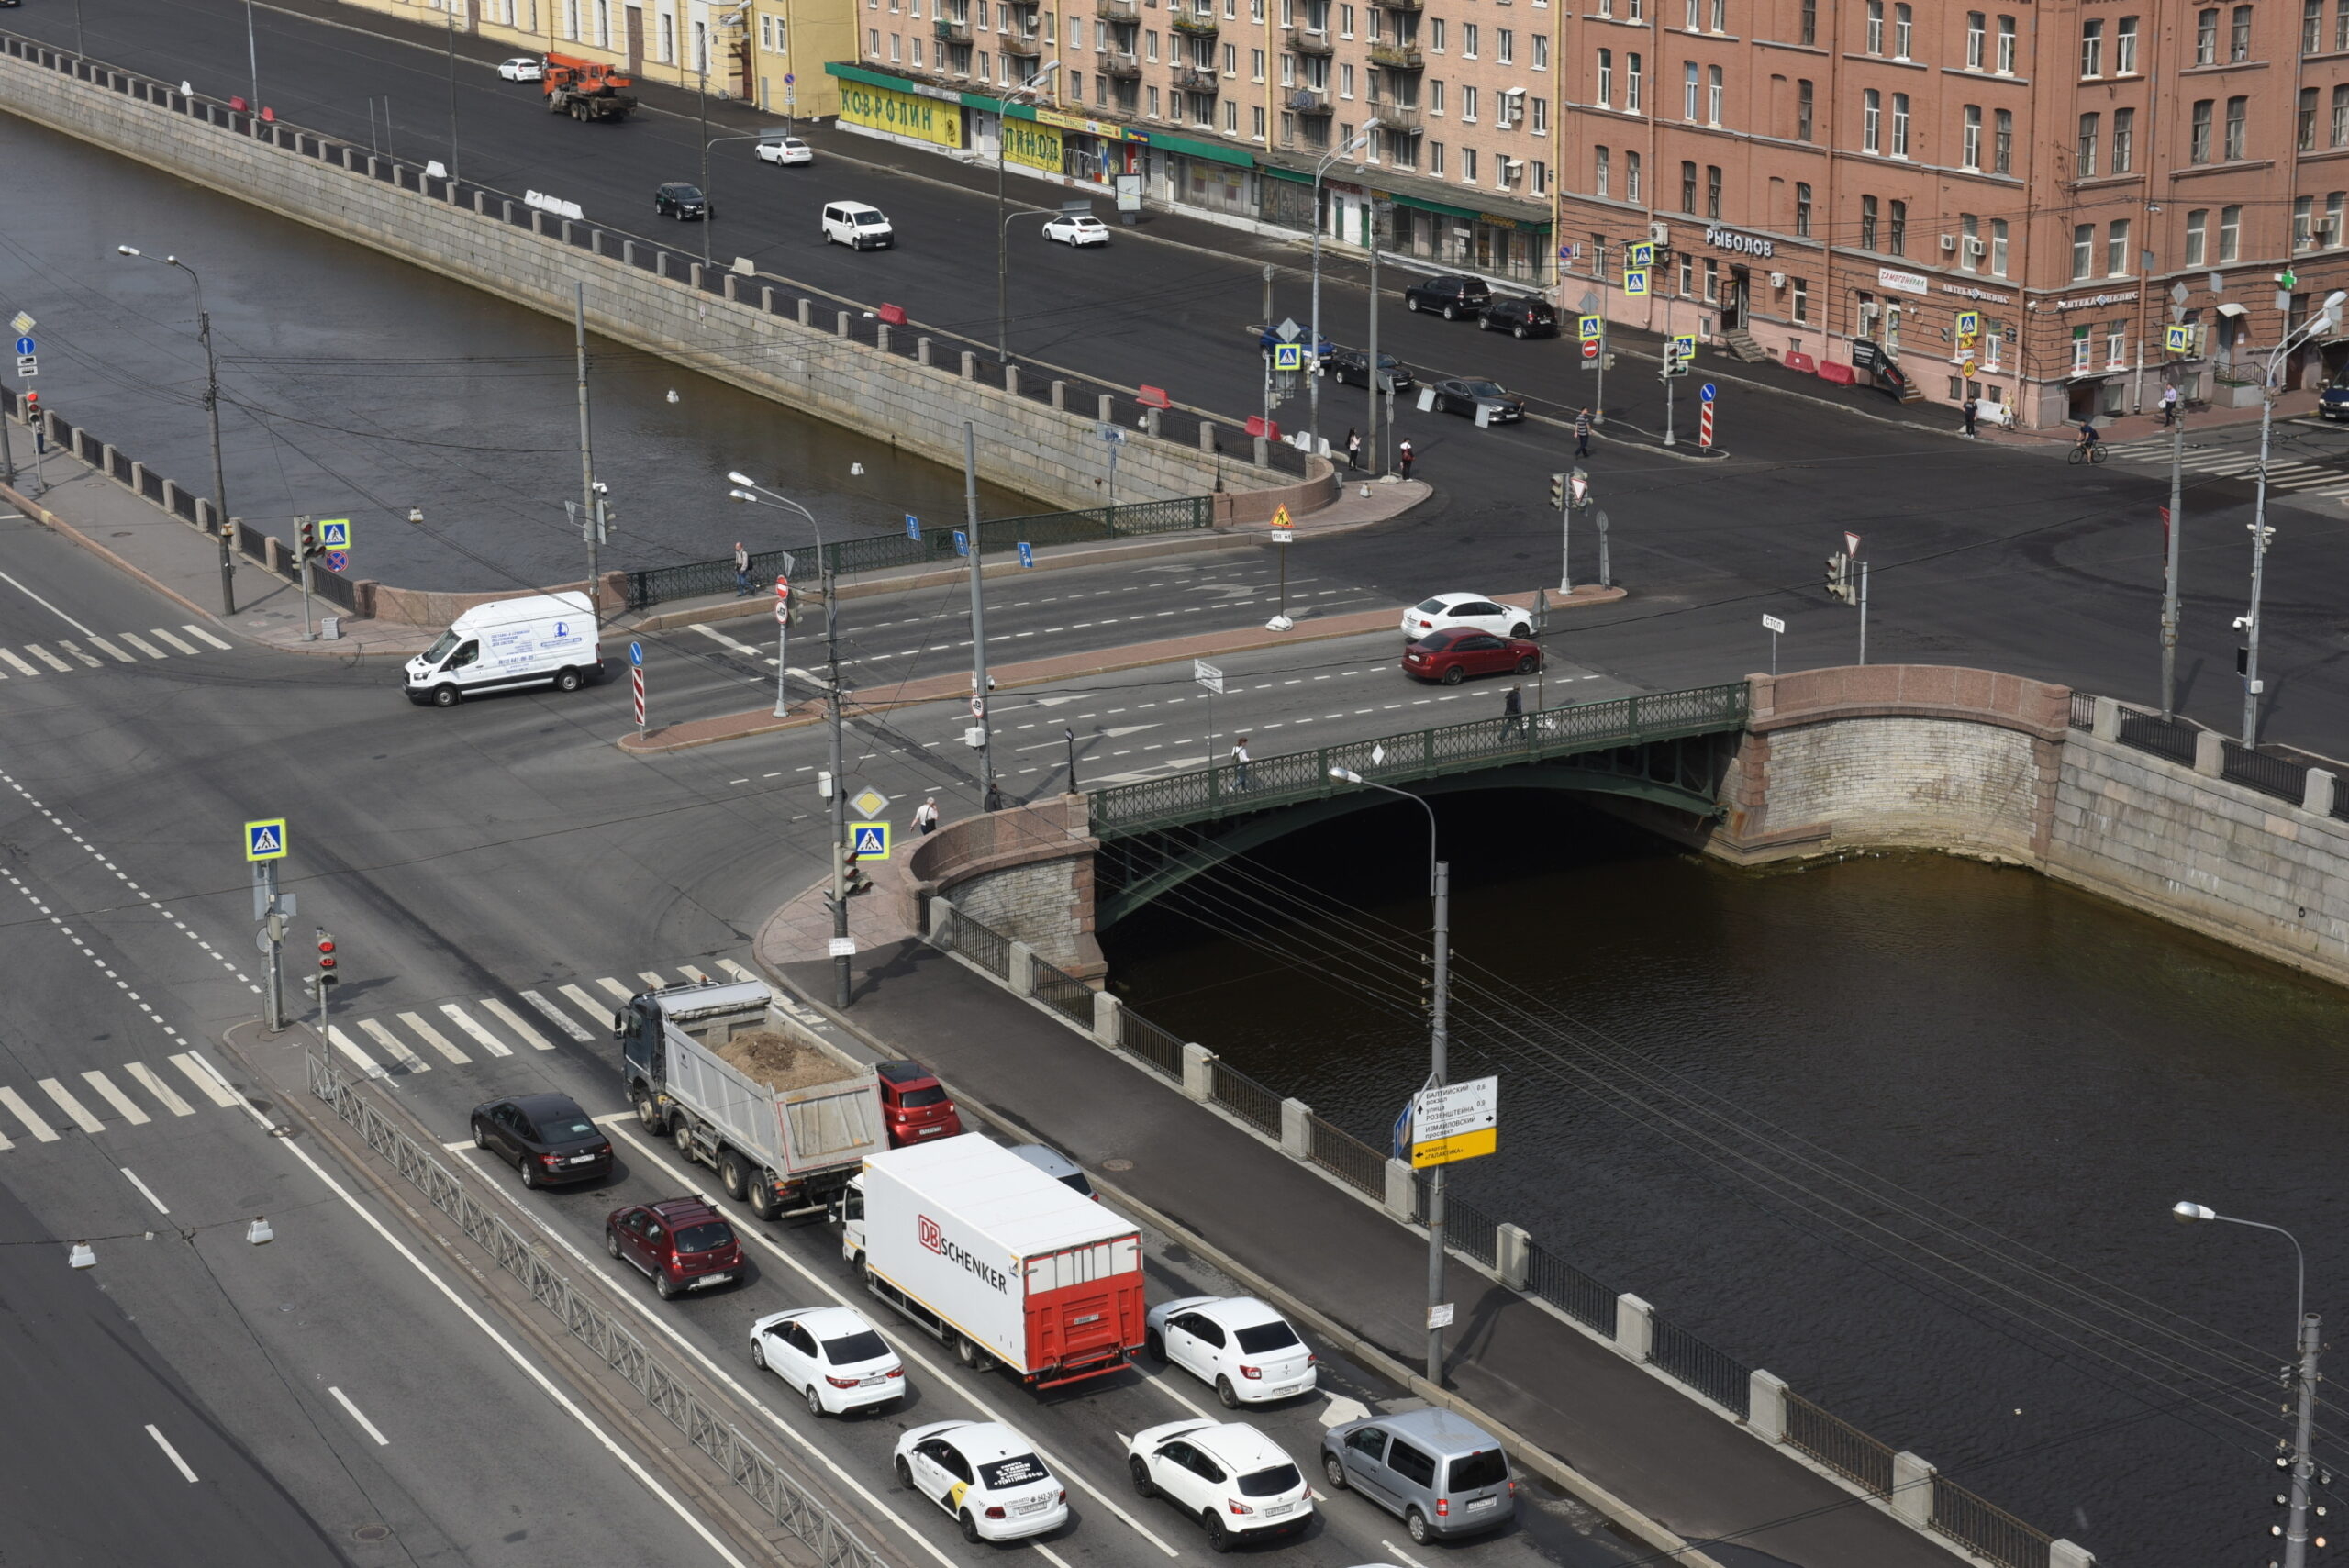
1452	297
1520	318
676	199
1351	367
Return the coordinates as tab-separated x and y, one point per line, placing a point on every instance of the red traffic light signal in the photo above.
326	952
306	539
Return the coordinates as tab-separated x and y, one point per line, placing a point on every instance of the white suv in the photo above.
857	226
1234	1480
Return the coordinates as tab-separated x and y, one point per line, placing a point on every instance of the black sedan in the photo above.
678	200
548	1137
1499	405
1352	367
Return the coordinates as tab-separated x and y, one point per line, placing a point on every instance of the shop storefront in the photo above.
900	110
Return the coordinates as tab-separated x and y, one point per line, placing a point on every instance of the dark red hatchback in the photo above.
681	1244
1453	656
914	1105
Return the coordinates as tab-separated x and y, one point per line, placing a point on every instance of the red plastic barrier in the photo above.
1840	374
893	314
1802	363
238	105
1260	425
1153	397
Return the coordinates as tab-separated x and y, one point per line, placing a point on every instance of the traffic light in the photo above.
326	975
305	541
1557	493
1839	578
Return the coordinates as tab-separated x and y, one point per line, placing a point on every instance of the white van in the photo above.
857	226
549	640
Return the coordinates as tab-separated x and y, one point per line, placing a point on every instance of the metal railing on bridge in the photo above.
1223	789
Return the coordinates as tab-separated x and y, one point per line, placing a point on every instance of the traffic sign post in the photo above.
783	641
1026	555
1455	1121
1210	676
636	681
1705	417
1774	626
1284	532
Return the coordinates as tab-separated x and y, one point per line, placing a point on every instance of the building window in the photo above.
1802	210
2115	342
2304	122
1255	65
1504	44
1467	98
1875	26
1713	191
2124	47
2206	36
2230	232
2237	110
1540	52
1689	90
2092	48
1468	164
1606	78
1721	16
1800	308
1601	169
2085	167
1871	121
1803	107
2239	42
1807	28
2332	204
2341	114
2198	224
1689	189
1976	26
2198	139
1631	84
2303	222
1467	41
1868	223
2002	142
1969	240
2083	248
1904	30
1994	343
1900	125
1435	34
1694	19
2006	46
1435	97
2340	26
1541	115
1712	94
2125	141
2116	249
2083	348
1435	159
1969	146
1896	239
1346	90
2311	25
1632	177
1998	266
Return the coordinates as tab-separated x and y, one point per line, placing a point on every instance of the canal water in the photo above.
356	386
1904	1129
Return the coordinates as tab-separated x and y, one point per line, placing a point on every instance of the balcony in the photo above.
1118	10
1397	56
1411	5
1197	79
1310	41
948	29
1025	45
1195	24
1401	118
1119	65
1310	102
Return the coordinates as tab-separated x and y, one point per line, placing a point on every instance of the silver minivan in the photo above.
1444	1475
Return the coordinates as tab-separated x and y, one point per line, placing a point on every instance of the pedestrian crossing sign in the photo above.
2180	340
265	841
869	840
334	533
1289	356
1640	253
1591	327
1969	324
1635	281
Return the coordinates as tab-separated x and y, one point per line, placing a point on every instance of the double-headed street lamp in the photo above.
1313	343
2305	1331
2260	532
212	412
759	495
1035	84
1440	886
708	200
701	96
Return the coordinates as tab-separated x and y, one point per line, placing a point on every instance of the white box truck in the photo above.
783	1116
998	1258
547	640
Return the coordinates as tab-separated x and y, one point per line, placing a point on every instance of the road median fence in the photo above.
1911	1489
772	1489
2286	774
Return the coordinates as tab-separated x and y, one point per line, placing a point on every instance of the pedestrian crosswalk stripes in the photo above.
513	1020
2291	475
100	1103
164	1094
465	1021
66	656
72	1106
556	1015
407	1041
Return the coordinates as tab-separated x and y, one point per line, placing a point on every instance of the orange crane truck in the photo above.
586	89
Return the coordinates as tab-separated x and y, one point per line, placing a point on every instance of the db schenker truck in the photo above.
785	1136
998	1258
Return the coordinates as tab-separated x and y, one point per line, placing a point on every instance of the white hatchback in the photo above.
783	149
831	1355
1077	229
1234	1479
1473	611
988	1476
1247	1351
523	68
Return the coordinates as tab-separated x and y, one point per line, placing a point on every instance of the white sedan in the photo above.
831	1355
986	1475
1473	611
523	68
1247	1351
1077	229
783	149
1234	1479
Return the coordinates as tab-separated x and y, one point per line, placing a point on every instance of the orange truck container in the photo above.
586	89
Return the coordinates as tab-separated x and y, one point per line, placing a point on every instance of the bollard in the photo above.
595	241
172	496
1198	1083
881	337
1913	1490
1765	1406
660	263
207	517
970	365
1107	1018
106	460
1634	1327
693	276
137	478
506	212
1512	1251
1108	413
806	312
1020	962
1207	437
1011	380
2107	721
922	350
1263	452
766	299
1297	1130
1060	394
481	206
2209	753
1150	423
628	249
2316	797
1401	1198
564	233
840	329
727	288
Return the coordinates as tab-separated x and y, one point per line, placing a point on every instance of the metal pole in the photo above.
586	453
2258	568
1598	398
1669	438
252	49
219	483
82	49
1002	258
308	635
1438	1042
2169	572
782	664
841	976
7	447
1566	536
1606	576
452	89
708	204
979	614
1070	733
1370	380
1313	338
1864	612
2295	1530
1269	270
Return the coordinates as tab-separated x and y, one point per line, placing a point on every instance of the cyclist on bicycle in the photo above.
2088	437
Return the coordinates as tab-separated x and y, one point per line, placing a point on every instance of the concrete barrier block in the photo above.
1197	1082
2209	753
1401	1198
807	313
2108	719
1912	1489
1634	1327
1512	1252
1021	960
940	912
2068	1554
840	325
922	350
970	365
1107	1015
2318	797
1765	1406
1297	1128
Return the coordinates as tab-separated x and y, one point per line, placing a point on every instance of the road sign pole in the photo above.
782	645
1439	1041
266	873
979	704
308	635
1668	379
1864	612
2169	565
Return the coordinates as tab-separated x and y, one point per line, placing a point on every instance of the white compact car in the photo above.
523	68
783	149
1234	1479
1247	1351
988	1476
1077	229
831	1355
857	226
1446	611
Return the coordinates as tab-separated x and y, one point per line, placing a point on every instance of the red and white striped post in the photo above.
636	680
1704	418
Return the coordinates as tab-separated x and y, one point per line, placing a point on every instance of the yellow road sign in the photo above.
265	841
869	840
1280	519
1635	281
1456	1121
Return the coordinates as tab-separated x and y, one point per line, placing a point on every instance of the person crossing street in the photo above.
1581	433
1404	457
1513	715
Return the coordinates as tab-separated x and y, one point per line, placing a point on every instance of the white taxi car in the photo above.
831	1355
1234	1479
1244	1349
1475	611
988	1476
1077	229
780	150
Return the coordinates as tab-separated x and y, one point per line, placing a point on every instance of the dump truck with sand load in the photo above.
739	1083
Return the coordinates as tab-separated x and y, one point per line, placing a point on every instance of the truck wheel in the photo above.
971	1356
731	1176
682	1135
1140	1469
1219	1538
445	696
1334	1471
566	679
763	1201
647	1115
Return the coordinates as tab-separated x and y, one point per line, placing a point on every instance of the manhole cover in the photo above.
1117	1164
372	1532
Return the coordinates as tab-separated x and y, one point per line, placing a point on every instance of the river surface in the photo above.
356	386
1904	1129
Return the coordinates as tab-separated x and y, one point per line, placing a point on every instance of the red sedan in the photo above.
1452	656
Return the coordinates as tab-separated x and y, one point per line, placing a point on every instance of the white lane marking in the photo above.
46	657
481	1037
157	1087
586	1003
358	1059
199	632
652	978
557	1017
618	990
111	652
72	1106
422	1028
162	636
170	1453
365	1424
1341	1409
529	1370
1167	1387
906	1352
68	620
1405	1558
75	649
22	668
698	977
34	1126
202	1075
116	1098
144	1190
141	644
513	1020
736	970
382	1035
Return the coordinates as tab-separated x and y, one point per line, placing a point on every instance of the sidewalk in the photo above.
1609	1429
2136	427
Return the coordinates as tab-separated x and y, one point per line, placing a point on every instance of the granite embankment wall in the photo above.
763	334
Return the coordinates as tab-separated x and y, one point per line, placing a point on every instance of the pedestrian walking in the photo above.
1354	448
926	817
1240	763
1581	433
1404	457
995	796
1970	408
741	570
2169	406
1513	715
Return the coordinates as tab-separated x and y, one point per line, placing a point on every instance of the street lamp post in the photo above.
211	412
701	99
1035	83
1313	340
783	628
2305	1326
1439	1039
2260	531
